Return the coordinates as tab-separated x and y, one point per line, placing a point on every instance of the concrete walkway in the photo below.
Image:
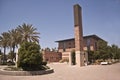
65	72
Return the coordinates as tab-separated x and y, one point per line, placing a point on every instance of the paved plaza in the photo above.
63	71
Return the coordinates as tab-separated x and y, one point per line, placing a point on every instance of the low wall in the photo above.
25	73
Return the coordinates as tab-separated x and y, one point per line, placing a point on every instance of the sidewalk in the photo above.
66	72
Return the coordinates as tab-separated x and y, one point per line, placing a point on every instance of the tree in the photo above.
54	49
4	39
0	52
47	49
0	56
109	52
115	51
91	56
102	50
11	55
119	53
29	56
28	33
15	39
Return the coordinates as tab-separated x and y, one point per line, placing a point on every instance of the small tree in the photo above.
102	50
29	56
115	51
91	57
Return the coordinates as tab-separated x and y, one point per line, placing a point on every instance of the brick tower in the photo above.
78	35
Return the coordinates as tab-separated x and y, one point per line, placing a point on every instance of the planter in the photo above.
25	73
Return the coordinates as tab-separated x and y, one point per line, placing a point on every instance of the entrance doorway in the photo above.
73	57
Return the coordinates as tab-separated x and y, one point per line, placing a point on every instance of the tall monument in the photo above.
78	31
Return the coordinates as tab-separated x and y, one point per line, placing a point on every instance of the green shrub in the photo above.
29	56
44	63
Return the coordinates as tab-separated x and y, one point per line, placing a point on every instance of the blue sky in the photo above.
54	18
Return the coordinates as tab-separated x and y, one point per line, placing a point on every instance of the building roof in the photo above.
88	36
66	40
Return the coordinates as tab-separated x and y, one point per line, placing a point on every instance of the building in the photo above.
67	45
52	56
80	44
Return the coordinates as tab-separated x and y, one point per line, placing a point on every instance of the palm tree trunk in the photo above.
10	48
13	53
4	55
16	56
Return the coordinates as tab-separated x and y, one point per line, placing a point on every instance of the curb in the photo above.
25	73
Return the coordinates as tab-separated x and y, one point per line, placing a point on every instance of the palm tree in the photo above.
14	41
4	39
14	37
28	33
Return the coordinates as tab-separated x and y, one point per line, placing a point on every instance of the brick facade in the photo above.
52	56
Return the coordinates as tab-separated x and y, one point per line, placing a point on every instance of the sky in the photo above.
55	21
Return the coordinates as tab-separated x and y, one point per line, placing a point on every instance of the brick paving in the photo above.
65	72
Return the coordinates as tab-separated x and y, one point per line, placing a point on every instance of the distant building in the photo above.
89	43
52	56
